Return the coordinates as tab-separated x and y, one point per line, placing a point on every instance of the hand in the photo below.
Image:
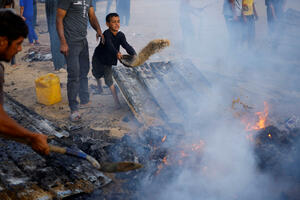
39	143
102	37
64	48
119	56
23	18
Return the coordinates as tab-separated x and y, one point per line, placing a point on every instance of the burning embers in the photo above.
253	121
262	119
180	154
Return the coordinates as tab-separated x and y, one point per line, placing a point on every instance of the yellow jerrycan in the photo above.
47	89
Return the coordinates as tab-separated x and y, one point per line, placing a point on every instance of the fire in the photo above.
164	139
270	136
262	118
165	160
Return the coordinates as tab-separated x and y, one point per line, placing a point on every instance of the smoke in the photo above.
228	168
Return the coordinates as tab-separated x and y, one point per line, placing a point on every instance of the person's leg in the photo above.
115	96
127	13
99	85
108	5
251	31
98	72
84	63
28	22
13	60
34	22
73	70
109	82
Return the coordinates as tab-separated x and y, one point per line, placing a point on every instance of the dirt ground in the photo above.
145	25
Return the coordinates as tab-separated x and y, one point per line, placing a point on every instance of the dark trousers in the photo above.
270	19
31	33
34	13
57	58
78	66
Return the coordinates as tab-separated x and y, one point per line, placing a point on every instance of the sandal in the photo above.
75	117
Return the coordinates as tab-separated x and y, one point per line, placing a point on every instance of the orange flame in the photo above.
165	160
164	139
262	118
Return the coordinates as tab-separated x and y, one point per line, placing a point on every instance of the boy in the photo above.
106	54
249	16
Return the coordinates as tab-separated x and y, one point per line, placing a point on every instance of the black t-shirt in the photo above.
107	53
1	83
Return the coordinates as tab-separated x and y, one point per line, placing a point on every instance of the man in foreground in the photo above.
13	30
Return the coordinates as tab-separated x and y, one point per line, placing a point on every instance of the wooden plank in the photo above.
137	98
179	88
197	81
161	94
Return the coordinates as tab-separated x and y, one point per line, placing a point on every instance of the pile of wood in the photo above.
25	174
161	90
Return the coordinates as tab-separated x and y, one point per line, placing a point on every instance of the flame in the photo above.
198	147
165	160
164	139
262	118
270	136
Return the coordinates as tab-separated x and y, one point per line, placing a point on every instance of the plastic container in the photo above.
47	89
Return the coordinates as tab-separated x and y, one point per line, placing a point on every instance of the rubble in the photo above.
38	53
25	174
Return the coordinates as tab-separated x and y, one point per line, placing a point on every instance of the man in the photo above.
12	33
71	22
58	59
232	14
27	13
275	10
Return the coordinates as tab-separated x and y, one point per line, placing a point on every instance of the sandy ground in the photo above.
149	20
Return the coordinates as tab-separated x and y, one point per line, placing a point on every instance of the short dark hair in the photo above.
12	26
4	3
110	15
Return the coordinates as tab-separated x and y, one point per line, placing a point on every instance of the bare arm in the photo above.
21	12
12	130
60	15
94	23
254	10
273	10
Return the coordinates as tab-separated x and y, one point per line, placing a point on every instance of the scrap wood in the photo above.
151	48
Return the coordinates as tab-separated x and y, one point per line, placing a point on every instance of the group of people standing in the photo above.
240	17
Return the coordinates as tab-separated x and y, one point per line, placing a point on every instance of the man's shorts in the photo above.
100	70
